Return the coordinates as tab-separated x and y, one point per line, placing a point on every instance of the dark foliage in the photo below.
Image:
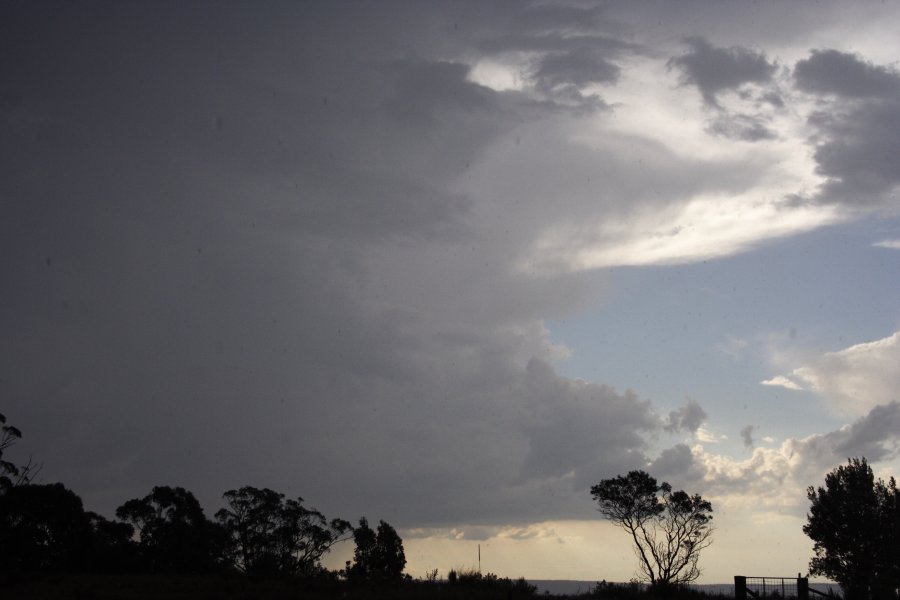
11	474
668	529
378	554
43	528
472	580
854	522
269	534
638	591
111	546
236	587
8	437
174	534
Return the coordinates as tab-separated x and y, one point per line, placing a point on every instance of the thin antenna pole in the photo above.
479	559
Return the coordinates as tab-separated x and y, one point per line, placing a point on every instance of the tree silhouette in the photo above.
251	521
365	539
378	555
854	522
43	528
307	536
111	547
10	474
175	535
270	534
668	529
390	559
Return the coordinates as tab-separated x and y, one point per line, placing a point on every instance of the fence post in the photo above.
802	588
740	587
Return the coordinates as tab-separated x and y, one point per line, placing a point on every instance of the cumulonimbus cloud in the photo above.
319	256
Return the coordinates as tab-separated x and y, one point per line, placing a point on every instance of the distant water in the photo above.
562	587
570	587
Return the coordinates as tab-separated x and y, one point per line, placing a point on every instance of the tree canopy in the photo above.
854	522
10	473
668	529
271	534
174	533
378	554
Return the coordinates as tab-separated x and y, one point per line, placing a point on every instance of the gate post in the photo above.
740	587
802	587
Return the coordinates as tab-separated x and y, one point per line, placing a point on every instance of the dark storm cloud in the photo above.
584	429
861	154
857	147
282	247
543	17
234	251
713	70
845	74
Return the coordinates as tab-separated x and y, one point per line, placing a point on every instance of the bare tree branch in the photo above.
668	529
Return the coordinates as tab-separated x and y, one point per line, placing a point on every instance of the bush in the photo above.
473	580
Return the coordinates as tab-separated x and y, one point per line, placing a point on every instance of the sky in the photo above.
449	264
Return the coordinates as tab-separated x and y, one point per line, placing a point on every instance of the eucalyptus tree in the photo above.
378	554
668	528
271	534
173	532
11	474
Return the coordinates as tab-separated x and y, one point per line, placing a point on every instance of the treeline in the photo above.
259	532
164	540
259	538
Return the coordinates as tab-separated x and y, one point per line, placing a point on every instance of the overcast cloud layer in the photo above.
315	246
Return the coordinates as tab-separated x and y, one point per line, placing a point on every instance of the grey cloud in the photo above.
526	534
537	26
541	17
875	436
563	48
678	466
856	146
582	429
749	128
773	98
554	42
478	533
747	435
845	74
686	418
427	93
281	249
713	70
193	292
860	153
578	67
